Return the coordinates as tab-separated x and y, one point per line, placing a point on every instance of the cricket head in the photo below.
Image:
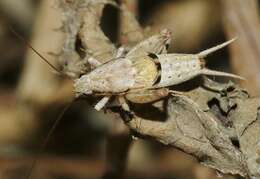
82	87
205	53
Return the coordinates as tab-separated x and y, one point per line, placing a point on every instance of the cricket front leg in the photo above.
124	104
102	103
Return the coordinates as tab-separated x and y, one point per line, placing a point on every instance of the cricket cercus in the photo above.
143	76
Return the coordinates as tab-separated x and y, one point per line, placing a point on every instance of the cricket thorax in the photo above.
118	76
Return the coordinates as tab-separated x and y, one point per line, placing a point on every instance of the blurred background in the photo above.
32	96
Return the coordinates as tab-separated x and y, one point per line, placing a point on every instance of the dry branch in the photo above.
211	122
208	132
241	20
216	123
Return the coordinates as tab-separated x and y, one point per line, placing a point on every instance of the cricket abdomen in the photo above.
177	68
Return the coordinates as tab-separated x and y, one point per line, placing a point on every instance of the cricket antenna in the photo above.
206	71
45	142
205	53
34	50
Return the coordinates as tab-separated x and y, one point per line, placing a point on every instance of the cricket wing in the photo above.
113	77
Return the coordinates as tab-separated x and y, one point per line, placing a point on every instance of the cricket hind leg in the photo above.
147	95
143	100
221	88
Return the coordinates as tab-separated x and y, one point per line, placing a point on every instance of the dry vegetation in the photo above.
216	124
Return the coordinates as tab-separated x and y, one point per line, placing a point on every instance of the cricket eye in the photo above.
167	46
153	56
79	48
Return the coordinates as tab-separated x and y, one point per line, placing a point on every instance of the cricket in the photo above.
142	74
140	78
